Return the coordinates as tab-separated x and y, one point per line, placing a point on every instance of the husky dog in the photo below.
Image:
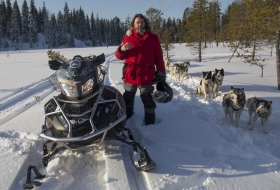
234	101
166	63
205	86
185	66
217	78
261	108
176	71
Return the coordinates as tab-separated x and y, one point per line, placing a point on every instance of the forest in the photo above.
245	22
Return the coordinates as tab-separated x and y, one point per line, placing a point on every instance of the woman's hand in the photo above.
126	46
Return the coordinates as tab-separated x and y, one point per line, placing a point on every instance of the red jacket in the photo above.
143	59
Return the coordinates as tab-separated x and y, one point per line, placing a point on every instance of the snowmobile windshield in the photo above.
75	79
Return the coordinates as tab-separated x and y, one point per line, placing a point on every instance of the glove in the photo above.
159	77
160	87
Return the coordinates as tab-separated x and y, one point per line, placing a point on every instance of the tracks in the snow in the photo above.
22	99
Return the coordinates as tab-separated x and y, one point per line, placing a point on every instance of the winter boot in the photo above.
129	111
150	116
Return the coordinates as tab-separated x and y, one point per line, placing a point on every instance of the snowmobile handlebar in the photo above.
98	60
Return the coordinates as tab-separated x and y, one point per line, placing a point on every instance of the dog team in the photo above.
233	102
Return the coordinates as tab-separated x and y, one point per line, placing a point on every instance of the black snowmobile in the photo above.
86	112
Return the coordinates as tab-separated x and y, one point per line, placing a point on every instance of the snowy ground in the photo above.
193	146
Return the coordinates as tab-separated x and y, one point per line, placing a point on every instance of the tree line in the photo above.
245	22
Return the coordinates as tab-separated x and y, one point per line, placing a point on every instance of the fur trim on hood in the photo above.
129	32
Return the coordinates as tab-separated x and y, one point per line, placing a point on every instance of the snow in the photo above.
193	145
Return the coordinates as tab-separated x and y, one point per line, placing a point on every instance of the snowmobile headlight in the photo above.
87	87
69	90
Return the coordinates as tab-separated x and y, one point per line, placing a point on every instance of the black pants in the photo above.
146	97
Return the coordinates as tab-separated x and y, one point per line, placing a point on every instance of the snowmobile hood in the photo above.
76	71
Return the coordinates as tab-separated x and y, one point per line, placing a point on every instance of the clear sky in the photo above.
108	9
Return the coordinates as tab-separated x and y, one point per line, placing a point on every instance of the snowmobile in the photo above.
86	112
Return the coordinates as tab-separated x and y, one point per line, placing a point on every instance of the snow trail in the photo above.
23	99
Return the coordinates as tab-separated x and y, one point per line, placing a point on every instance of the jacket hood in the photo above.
130	32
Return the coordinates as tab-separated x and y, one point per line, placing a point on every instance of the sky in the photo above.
108	9
193	145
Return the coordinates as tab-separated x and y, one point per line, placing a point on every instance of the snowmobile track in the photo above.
23	99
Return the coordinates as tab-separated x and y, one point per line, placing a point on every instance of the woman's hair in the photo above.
147	25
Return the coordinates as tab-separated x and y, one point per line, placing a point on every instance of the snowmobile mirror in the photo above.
100	59
54	64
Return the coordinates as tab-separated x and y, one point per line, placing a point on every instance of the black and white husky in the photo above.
217	78
206	85
260	108
234	101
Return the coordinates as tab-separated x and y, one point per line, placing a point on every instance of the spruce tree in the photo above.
98	31
93	30
66	17
33	25
15	32
87	26
25	15
53	32
3	18
9	12
60	31
71	40
45	19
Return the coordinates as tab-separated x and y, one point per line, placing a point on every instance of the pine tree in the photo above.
223	24
127	22
92	30
214	15
9	12
3	18
166	44
47	30
66	18
45	19
87	26
60	32
155	19
71	41
25	15
196	27
98	31
179	32
116	33
33	23
15	26
53	32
